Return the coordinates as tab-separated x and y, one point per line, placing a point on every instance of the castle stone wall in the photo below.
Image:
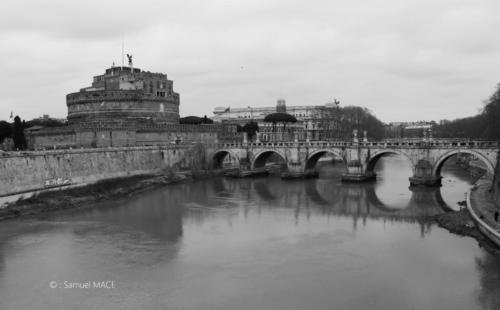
38	170
52	139
117	136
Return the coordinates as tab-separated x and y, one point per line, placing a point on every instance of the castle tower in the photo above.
125	96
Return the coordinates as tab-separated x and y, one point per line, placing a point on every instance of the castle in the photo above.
125	94
125	106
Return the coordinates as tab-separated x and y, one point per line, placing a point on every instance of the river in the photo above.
254	244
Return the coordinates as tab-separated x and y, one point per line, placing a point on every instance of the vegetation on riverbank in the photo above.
461	223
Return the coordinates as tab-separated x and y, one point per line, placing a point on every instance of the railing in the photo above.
452	144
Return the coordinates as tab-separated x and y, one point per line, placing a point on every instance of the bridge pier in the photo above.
294	171
357	163
423	175
356	172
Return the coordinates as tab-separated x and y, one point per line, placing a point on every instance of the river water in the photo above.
253	244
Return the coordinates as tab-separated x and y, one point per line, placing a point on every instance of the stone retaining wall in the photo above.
496	183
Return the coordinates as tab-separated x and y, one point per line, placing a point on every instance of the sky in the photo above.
405	60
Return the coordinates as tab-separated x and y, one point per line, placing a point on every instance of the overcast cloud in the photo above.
402	59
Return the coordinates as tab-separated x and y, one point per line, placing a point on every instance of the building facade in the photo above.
398	130
320	122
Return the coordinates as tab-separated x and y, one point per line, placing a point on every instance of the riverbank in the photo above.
476	220
484	209
83	196
462	224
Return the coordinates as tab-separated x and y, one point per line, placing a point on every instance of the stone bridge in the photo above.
426	157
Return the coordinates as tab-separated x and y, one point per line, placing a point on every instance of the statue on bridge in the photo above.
355	135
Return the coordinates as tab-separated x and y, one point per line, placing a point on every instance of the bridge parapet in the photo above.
378	144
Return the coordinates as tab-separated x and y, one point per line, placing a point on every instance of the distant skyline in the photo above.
405	60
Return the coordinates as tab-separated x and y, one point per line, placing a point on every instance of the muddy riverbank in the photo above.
461	223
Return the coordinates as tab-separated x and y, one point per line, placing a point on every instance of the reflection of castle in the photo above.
125	107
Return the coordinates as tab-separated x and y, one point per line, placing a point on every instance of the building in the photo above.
320	122
126	107
269	132
397	130
48	118
124	95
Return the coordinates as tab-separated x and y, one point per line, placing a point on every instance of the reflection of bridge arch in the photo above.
342	194
260	159
436	170
428	196
218	157
312	160
315	194
375	201
423	203
221	187
263	191
377	155
358	200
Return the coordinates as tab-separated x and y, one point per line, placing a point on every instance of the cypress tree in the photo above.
18	134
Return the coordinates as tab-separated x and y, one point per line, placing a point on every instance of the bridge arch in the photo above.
377	155
218	157
260	159
313	158
436	170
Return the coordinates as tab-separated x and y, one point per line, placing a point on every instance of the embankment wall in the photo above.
496	183
37	170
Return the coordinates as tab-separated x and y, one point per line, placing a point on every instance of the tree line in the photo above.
361	119
195	120
485	125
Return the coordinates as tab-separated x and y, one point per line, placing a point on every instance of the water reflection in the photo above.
488	267
255	244
356	200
